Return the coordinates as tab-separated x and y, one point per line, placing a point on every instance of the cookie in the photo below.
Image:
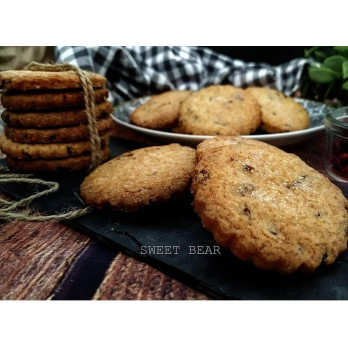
73	164
56	135
47	151
48	100
279	113
178	130
23	80
57	118
223	140
270	208
140	178
219	110
160	111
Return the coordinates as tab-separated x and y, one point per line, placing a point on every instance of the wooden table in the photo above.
49	260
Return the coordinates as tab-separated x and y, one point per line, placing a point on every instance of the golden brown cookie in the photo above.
23	80
56	135
160	111
75	163
219	110
57	118
48	100
141	177
270	208
279	113
223	140
47	151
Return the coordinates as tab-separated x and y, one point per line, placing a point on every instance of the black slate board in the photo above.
221	276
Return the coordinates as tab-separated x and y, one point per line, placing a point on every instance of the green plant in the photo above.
326	75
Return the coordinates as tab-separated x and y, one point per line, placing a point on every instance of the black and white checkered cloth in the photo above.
137	71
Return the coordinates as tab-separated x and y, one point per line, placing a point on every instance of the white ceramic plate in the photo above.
315	110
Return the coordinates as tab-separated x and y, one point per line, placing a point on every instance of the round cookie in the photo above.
57	118
23	80
270	208
56	135
279	113
47	151
141	177
48	100
160	111
73	164
219	110
223	140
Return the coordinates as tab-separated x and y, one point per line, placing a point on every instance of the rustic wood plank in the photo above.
34	258
86	273
130	279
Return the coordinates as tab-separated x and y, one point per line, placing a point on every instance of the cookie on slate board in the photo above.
56	135
219	110
48	99
57	118
270	208
140	178
279	113
23	80
160	111
47	151
74	163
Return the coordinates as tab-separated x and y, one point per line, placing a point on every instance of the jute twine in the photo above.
20	210
89	100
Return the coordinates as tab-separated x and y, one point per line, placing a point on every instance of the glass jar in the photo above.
336	160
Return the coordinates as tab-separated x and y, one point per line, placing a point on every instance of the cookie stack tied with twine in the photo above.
57	117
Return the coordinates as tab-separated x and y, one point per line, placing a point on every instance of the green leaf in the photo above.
308	52
324	52
334	63
320	56
321	75
313	62
343	50
345	69
345	86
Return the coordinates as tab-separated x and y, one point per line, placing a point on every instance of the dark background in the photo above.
274	55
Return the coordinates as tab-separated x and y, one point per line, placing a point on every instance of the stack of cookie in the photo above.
46	123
